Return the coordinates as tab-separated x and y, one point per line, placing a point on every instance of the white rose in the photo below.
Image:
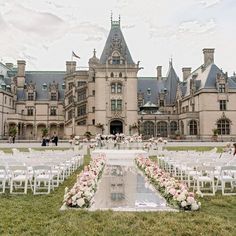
80	202
183	204
194	206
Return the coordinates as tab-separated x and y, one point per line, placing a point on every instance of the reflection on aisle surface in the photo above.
125	188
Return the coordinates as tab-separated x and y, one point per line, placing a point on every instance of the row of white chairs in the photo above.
37	170
202	171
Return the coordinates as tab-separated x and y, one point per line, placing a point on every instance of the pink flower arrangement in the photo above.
81	194
175	191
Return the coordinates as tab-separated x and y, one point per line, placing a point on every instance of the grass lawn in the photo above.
192	148
40	215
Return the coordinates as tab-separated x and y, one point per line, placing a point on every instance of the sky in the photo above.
45	32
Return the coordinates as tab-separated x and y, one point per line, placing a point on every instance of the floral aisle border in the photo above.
81	194
175	192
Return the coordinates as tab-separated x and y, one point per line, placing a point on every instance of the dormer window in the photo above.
116	60
53	96
63	86
222	88
148	91
31	96
44	87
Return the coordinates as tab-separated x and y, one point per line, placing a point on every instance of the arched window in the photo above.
112	74
148	128
223	127
119	88
173	127
193	127
162	129
116	88
120	74
113	88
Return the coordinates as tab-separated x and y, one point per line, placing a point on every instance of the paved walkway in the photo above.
67	145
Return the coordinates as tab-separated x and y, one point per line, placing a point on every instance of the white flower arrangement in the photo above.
81	194
175	192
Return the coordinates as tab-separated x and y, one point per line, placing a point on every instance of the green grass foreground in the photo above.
193	148
40	215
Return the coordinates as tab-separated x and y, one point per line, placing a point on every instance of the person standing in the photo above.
55	139
234	151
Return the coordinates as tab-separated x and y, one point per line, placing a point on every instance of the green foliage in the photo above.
87	135
40	215
215	132
13	131
44	132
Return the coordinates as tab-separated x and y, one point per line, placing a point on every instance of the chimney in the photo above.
159	73
21	68
208	56
20	74
186	72
70	67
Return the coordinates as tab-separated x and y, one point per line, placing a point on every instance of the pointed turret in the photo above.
116	50
171	83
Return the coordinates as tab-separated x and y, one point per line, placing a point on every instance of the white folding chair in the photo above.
227	175
3	178
42	176
19	178
205	177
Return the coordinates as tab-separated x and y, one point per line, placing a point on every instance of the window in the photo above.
222	105
161	103
93	121
5	100
119	88
94	78
116	105
30	111
93	109
82	95
113	105
63	86
81	83
82	110
149	92
162	129
119	105
112	74
53	111
44	87
53	96
83	122
193	127
113	88
116	60
116	88
70	114
223	127
30	96
71	85
173	127
222	88
70	99
120	74
148	128
93	92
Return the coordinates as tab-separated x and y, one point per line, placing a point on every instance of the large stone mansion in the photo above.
110	98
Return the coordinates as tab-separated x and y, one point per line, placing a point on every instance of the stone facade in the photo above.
109	97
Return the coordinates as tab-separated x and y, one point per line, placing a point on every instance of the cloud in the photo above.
128	26
196	27
209	3
90	30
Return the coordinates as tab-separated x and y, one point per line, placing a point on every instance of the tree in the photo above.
44	132
87	135
13	131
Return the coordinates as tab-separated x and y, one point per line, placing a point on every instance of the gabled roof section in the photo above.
116	42
41	77
171	84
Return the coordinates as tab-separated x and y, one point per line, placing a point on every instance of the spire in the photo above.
116	46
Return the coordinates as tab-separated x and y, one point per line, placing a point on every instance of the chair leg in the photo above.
26	185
